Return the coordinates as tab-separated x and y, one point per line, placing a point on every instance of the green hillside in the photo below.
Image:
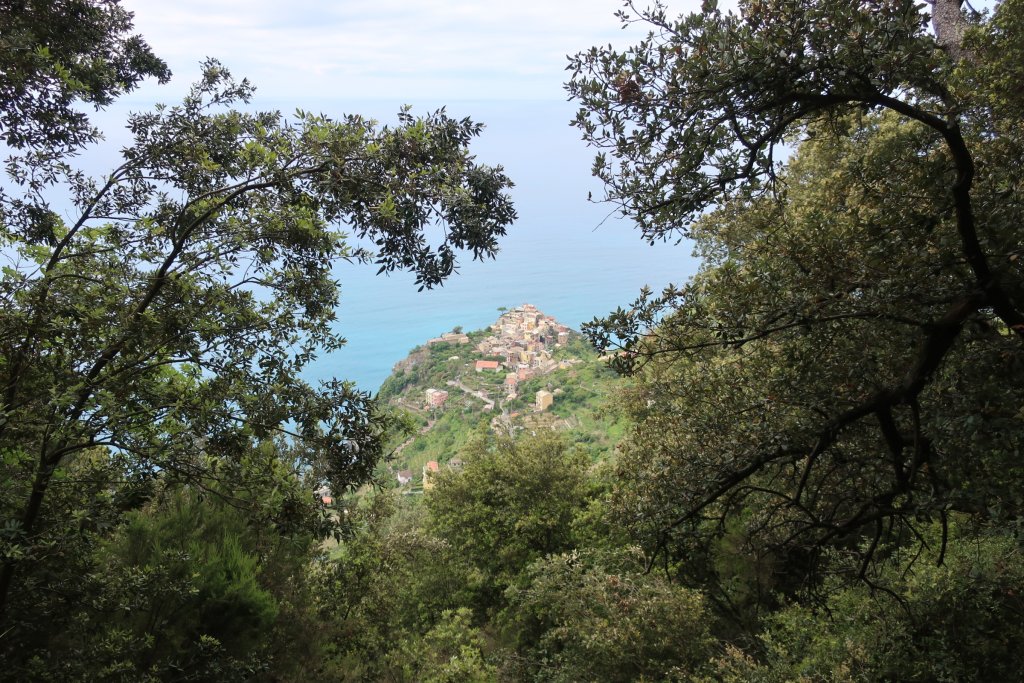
582	388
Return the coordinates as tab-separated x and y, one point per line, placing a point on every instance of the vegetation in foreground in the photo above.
821	479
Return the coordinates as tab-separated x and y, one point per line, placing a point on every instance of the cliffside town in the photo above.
524	337
520	347
513	375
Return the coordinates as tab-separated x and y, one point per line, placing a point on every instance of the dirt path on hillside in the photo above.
424	430
489	402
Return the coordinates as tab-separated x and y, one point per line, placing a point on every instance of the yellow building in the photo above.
544	400
436	398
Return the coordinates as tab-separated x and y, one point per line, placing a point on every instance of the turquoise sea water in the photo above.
564	254
561	255
546	265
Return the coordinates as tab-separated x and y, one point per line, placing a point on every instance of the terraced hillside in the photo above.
527	371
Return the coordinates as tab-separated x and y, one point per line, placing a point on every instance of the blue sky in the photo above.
501	62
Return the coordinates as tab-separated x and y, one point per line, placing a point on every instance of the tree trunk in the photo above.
949	23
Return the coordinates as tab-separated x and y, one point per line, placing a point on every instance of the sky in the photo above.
502	63
384	49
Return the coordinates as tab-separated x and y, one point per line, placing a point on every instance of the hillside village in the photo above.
525	338
520	346
508	376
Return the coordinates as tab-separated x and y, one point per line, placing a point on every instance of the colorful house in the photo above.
436	397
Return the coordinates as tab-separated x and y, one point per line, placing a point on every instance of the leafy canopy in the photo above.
169	316
845	369
57	53
514	501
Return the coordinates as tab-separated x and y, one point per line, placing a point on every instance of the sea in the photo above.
569	256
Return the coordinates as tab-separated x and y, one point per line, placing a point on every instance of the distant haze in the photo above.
564	255
501	63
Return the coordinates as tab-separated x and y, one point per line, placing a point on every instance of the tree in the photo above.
168	321
598	617
513	502
845	370
387	586
957	622
59	52
150	580
450	652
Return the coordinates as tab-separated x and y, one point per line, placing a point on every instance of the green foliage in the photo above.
596	527
955	622
586	405
846	366
425	367
388	584
450	652
182	584
414	591
824	461
696	109
153	342
89	498
586	616
576	346
828	415
171	320
202	581
513	502
451	433
57	53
